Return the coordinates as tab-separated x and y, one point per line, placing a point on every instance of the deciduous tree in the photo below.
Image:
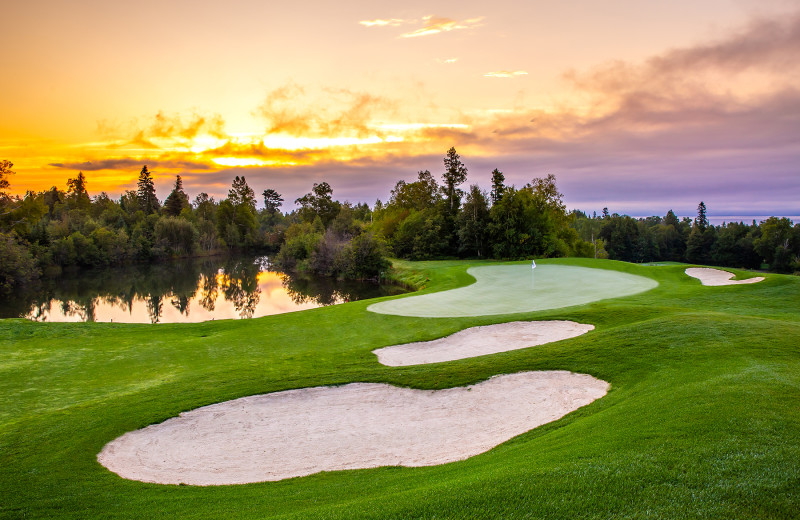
5	172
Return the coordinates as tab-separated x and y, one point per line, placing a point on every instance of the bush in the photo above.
301	241
362	258
175	236
17	266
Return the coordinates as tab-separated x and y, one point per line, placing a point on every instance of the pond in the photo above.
184	291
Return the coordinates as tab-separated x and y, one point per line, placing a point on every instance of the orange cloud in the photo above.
434	25
162	130
291	111
506	74
391	22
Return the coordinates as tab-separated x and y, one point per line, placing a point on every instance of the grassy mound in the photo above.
701	421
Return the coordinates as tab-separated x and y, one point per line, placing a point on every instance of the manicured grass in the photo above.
702	420
515	288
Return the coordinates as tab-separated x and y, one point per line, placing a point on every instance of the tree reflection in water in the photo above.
240	286
304	289
96	295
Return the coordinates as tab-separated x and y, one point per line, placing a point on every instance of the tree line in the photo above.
45	232
772	244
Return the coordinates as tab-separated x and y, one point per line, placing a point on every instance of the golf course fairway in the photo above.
507	289
701	418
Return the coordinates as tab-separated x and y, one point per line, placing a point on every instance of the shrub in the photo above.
17	266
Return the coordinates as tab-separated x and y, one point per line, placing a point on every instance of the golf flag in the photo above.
533	264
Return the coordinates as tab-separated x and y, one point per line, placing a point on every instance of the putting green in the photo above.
507	289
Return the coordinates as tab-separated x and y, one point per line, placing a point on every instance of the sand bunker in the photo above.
506	289
708	276
359	425
479	341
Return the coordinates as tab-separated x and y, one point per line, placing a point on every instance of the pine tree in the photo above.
497	185
177	199
146	192
702	220
473	223
241	194
455	174
272	200
672	220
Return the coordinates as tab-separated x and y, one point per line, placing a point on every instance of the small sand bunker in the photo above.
359	425
708	276
479	341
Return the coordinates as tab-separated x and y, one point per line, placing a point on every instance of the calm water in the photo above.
747	219
182	292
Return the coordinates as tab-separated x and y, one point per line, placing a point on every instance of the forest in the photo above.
45	233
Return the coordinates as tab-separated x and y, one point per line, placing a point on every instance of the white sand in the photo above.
359	425
479	341
708	276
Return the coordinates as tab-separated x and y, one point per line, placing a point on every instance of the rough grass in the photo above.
702	420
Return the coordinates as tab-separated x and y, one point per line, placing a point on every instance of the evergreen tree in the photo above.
473	223
455	174
621	238
700	244
76	188
241	194
177	200
702	220
236	215
272	200
671	242
146	192
672	220
497	185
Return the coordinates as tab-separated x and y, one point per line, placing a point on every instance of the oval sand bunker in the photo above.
507	289
359	425
713	277
480	341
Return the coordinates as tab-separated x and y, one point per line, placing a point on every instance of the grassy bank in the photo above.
702	420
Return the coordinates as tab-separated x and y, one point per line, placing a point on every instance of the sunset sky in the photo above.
638	105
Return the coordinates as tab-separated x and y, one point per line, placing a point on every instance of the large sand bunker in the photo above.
708	276
479	341
359	425
507	289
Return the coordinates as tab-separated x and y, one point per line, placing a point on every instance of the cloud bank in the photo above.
718	121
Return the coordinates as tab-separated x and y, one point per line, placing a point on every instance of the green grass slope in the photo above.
702	420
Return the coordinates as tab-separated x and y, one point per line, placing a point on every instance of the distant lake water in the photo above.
184	291
717	220
747	219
